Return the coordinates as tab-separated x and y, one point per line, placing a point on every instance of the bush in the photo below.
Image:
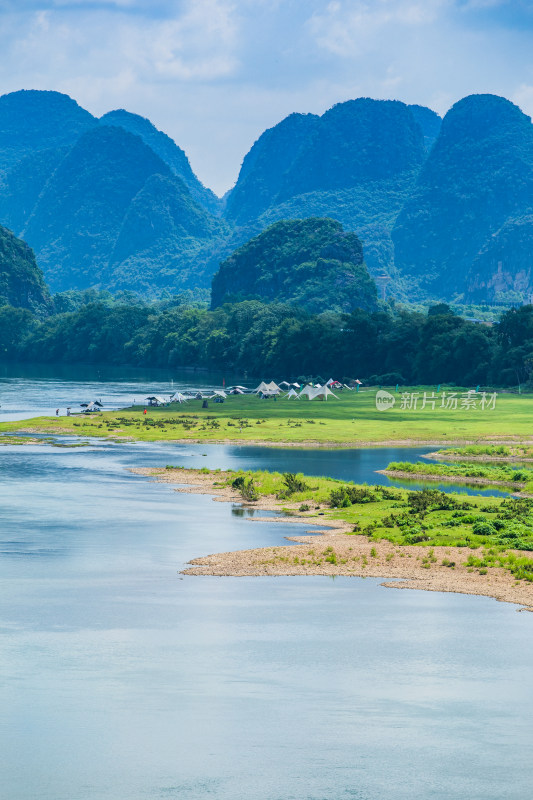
294	483
484	529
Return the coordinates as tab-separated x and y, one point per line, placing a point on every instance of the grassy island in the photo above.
504	475
517	453
352	420
430	539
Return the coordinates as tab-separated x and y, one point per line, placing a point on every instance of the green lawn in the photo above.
353	419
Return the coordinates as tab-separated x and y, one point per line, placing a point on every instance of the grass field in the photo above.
353	419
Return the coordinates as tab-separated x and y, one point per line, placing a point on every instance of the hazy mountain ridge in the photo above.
168	151
475	187
444	209
74	192
357	163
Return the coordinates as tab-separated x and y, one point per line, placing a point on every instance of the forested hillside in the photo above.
310	263
466	229
111	203
21	281
355	163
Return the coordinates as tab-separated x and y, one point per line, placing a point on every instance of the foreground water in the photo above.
121	678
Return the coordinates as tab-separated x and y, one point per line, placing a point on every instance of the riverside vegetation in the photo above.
502	474
478	536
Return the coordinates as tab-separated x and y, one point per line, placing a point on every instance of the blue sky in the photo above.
213	74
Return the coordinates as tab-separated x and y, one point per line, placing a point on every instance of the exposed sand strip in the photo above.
334	553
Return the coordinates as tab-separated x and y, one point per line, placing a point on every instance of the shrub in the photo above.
294	483
484	529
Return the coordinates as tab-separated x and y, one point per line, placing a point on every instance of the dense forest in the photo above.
388	346
310	263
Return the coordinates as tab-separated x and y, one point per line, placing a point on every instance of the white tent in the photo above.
291	393
267	388
219	393
156	400
317	392
94	405
307	391
178	397
284	385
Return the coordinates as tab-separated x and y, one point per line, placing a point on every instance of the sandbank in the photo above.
334	553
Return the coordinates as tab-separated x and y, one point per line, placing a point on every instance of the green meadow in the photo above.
352	419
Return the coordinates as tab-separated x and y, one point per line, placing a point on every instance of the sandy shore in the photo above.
335	553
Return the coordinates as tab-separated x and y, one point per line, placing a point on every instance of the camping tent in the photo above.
267	388
284	385
178	397
218	393
317	392
94	405
291	393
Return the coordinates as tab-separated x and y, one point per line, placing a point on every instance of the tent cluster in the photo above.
183	397
316	392
267	389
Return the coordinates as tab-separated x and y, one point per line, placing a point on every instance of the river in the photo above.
121	678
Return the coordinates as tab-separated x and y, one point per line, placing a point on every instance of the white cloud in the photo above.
213	74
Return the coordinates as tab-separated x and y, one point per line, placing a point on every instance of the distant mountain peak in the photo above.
167	149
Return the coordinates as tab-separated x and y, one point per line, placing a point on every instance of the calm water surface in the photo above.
122	679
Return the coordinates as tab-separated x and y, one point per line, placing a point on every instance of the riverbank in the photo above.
351	421
519	479
421	477
432	565
505	452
